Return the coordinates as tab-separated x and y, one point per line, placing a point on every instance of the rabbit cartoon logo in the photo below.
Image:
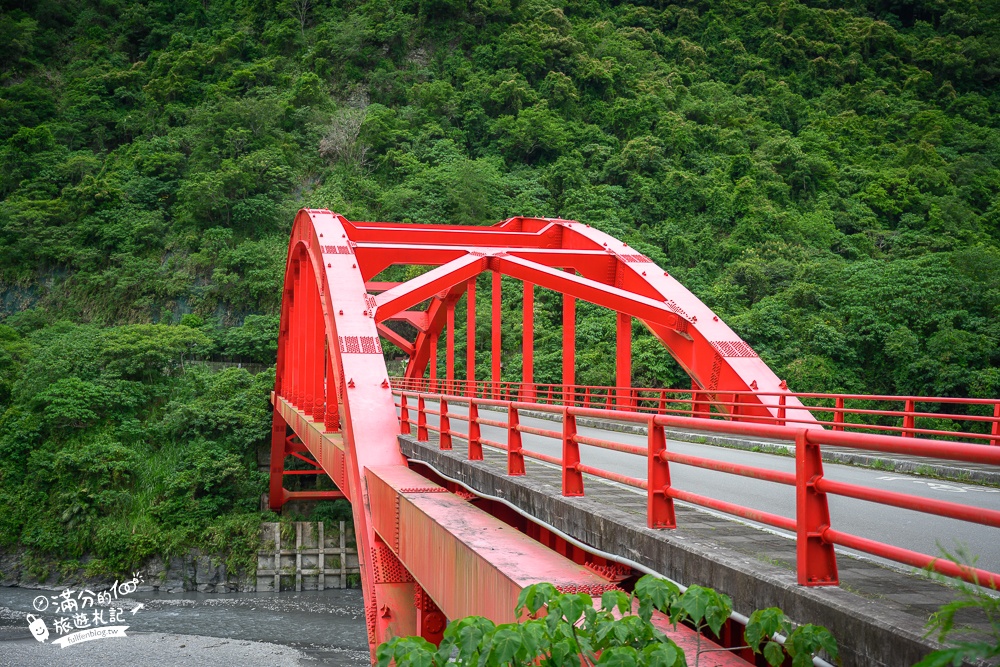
39	630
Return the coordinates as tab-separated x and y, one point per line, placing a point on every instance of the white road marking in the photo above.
939	486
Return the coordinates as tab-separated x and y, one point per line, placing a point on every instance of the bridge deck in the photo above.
877	614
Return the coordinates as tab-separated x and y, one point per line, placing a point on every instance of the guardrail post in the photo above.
445	424
699	406
816	561
838	414
663	402
908	419
421	420
572	478
515	459
659	505
781	410
475	444
996	425
586	397
404	415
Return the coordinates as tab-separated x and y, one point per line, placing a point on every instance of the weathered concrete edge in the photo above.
878	633
886	462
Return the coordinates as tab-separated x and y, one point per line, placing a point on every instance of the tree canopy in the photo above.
823	174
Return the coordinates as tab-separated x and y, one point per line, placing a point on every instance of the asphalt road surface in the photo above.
924	533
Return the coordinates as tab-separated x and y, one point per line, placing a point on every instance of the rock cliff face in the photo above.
194	571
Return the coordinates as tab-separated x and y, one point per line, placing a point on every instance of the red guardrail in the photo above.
815	538
840	412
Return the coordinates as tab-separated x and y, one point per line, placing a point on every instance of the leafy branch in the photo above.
570	629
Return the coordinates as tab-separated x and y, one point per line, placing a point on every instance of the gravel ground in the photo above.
148	648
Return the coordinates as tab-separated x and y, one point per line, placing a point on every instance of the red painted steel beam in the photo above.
396	339
373	260
497	352
418	318
470	331
589	290
458	236
467	561
700	342
373	287
330	259
471	563
423	287
449	348
528	340
623	360
319	244
312	495
568	342
327	448
436	318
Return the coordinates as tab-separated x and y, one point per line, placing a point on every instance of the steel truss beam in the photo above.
331	384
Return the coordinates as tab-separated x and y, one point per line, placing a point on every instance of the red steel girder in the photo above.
376	257
374	286
320	250
471	563
313	495
396	339
417	318
331	373
468	561
589	290
423	287
550	236
716	357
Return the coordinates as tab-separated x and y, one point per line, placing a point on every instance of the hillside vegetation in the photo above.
822	174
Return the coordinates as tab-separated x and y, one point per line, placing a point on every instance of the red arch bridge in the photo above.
432	548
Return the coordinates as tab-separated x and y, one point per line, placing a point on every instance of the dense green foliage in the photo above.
568	630
947	626
111	451
823	174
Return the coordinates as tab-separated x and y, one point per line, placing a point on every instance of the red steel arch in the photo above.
332	387
580	262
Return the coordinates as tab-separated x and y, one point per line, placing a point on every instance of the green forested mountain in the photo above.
823	174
